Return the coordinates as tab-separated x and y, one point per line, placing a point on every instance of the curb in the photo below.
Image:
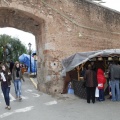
33	83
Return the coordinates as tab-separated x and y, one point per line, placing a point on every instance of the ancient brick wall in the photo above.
84	26
61	28
76	27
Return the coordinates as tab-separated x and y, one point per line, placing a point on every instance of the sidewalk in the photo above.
59	107
32	78
57	96
71	107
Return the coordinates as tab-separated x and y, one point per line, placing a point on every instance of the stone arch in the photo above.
35	17
28	22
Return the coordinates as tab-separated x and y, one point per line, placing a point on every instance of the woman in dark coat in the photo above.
90	78
5	78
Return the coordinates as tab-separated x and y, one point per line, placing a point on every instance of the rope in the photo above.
76	23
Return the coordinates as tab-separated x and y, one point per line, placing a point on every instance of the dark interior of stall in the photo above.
76	75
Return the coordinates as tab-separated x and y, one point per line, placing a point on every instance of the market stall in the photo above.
75	65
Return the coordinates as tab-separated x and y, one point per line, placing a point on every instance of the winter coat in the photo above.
101	79
8	78
90	78
115	72
14	75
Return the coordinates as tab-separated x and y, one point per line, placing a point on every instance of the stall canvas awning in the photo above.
79	58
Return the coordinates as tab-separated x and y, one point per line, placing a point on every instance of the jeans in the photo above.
6	91
101	95
115	90
17	85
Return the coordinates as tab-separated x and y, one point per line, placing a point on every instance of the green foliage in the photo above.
10	48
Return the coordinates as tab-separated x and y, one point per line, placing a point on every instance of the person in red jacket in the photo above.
101	81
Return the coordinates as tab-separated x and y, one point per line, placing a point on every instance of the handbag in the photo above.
96	92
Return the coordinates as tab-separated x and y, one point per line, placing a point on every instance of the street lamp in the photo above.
29	45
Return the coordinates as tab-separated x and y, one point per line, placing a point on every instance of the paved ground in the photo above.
39	106
75	108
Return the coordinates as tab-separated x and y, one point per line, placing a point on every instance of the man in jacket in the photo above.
115	78
91	83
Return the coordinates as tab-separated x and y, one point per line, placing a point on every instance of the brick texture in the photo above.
61	28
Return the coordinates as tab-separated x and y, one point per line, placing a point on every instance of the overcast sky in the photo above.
24	37
114	4
28	37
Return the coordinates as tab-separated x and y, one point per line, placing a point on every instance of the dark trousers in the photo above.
101	95
90	94
6	91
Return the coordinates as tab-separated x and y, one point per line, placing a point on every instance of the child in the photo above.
101	81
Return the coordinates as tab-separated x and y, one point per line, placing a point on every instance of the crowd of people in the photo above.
11	73
96	79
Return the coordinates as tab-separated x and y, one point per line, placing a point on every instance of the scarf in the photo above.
17	72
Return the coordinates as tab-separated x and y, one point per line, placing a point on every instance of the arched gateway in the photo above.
61	28
29	16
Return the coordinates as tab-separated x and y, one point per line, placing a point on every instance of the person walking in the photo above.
17	77
101	81
90	78
5	78
11	66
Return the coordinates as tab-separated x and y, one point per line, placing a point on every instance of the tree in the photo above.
10	48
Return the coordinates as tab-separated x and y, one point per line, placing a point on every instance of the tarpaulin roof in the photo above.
79	58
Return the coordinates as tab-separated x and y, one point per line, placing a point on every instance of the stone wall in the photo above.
77	27
84	26
61	28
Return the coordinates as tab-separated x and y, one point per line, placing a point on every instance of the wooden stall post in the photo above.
78	71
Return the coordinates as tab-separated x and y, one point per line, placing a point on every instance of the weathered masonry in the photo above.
61	28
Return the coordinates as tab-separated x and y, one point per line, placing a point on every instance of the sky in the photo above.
25	37
114	4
